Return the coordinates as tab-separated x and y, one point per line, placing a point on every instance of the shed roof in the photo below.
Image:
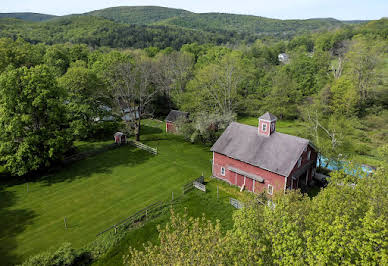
175	114
277	153
268	116
118	134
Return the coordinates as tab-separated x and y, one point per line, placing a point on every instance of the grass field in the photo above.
284	126
195	203
94	193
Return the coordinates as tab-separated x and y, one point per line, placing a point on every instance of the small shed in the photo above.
120	138
172	117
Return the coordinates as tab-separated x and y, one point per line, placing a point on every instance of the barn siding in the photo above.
277	181
313	157
170	127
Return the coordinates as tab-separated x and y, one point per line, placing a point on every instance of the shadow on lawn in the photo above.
147	130
12	223
102	163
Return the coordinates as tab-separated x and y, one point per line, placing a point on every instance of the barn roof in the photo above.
268	116
277	153
175	114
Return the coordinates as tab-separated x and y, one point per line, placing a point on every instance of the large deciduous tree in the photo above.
33	125
84	99
215	87
133	88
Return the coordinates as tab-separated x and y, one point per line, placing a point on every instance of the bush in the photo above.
206	128
65	255
362	149
104	129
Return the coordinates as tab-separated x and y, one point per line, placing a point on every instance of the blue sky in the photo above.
283	9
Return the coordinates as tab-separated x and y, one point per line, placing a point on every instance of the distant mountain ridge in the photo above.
27	16
144	26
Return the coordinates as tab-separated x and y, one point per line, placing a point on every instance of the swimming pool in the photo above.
338	165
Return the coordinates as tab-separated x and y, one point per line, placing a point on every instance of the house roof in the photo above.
175	114
268	116
277	153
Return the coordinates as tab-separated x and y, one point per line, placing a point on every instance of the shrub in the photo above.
65	255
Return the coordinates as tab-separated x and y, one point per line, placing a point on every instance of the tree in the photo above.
174	70
133	88
363	59
284	97
85	99
215	87
33	126
331	133
184	240
57	57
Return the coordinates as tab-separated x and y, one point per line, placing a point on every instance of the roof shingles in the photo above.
175	114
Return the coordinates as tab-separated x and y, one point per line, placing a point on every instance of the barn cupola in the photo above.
267	124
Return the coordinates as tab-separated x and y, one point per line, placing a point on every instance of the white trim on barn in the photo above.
270	189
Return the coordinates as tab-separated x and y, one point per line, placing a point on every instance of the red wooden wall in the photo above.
170	127
277	181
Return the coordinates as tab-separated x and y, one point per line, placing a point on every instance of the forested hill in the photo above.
27	16
214	22
141	15
97	32
140	27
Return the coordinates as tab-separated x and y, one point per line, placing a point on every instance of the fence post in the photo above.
172	196
64	220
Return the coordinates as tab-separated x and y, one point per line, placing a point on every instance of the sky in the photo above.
282	9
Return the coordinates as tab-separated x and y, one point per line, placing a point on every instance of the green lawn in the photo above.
195	203
94	193
292	127
83	146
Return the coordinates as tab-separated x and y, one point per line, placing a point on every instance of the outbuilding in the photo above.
172	117
120	138
260	159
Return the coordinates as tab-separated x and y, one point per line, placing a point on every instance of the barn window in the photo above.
264	127
299	161
270	189
309	155
223	171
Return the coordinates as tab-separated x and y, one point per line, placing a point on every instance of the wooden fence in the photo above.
149	212
189	186
235	203
199	186
143	147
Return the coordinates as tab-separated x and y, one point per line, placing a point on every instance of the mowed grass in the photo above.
291	127
196	203
94	193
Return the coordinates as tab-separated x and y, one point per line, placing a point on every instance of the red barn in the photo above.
259	158
172	117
